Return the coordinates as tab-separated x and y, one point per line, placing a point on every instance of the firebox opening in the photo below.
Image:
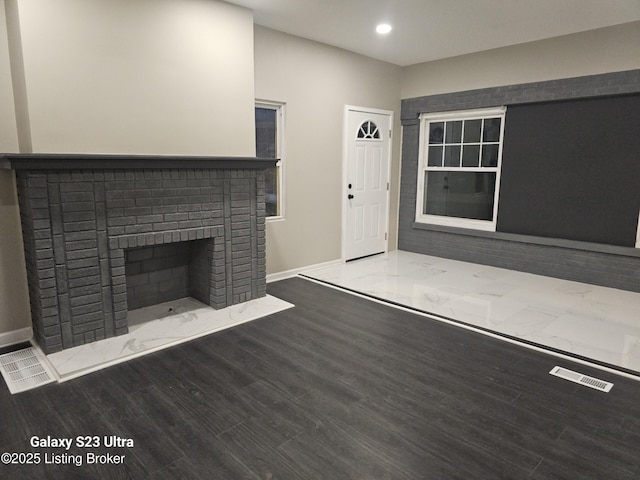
161	273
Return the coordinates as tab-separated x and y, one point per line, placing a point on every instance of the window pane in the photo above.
267	147
471	155
491	130
435	157
472	131
460	194
452	156
454	132
266	122
490	155
436	132
271	191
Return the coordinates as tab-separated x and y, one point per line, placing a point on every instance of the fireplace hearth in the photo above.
104	234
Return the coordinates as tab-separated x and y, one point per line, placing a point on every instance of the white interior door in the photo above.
368	140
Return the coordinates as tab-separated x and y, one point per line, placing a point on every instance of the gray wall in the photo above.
616	267
143	76
315	82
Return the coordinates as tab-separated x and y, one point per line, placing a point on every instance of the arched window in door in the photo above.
368	130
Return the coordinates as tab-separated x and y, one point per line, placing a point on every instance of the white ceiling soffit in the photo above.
425	30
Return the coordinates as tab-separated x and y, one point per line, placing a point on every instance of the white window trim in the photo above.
425	119
279	107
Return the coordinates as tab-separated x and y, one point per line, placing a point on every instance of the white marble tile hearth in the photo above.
156	327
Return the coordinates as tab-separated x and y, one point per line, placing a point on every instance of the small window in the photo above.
459	168
269	133
368	130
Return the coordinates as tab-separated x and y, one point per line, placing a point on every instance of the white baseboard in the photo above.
16	336
274	277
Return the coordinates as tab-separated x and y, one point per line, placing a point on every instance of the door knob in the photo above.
349	196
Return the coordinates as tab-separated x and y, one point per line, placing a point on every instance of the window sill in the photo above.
458	223
532	240
274	219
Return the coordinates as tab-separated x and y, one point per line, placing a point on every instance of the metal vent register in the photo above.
581	379
24	369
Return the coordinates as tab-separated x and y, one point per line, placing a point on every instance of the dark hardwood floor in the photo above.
336	388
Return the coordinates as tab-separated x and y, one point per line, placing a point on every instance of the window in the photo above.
368	130
459	168
269	129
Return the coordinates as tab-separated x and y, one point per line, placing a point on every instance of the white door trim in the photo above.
345	154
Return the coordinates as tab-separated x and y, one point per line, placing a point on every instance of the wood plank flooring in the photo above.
336	388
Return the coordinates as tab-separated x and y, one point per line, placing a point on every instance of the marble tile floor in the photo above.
597	323
156	327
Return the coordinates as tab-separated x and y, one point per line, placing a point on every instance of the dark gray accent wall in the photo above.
580	162
77	225
581	262
579	87
616	267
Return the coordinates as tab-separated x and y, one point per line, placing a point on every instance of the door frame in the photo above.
345	154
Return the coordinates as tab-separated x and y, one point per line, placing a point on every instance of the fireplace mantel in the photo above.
83	215
81	161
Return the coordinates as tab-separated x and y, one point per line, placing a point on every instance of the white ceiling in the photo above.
425	30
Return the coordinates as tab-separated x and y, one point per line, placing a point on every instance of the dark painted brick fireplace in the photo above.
83	216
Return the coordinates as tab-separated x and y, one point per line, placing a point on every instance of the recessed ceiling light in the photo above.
383	28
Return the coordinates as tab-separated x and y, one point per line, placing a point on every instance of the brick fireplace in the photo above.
104	234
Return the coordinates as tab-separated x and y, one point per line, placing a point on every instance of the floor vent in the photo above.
581	379
24	369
